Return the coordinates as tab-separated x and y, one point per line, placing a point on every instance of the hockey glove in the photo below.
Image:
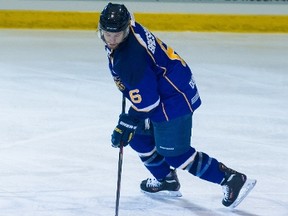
124	131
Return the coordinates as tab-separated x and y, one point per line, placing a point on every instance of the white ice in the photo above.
59	105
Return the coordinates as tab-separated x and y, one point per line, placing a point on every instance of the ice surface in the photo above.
59	105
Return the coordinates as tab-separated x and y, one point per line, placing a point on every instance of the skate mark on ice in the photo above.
58	202
126	202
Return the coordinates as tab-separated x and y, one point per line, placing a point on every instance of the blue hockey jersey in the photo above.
157	81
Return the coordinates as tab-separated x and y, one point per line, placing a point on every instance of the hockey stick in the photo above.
120	162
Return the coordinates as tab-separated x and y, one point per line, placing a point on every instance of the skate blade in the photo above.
245	190
164	193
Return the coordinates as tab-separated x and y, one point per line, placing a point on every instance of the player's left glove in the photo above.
124	131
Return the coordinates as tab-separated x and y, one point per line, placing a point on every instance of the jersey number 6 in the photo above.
135	96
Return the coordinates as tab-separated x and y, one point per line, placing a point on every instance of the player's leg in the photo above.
207	168
173	141
143	143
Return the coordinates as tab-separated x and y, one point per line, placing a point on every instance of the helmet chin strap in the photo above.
126	33
100	35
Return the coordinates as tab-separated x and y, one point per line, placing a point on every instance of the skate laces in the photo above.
226	188
153	183
226	191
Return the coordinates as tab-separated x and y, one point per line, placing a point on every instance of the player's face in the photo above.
113	39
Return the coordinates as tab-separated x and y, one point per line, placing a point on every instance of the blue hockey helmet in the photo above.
114	18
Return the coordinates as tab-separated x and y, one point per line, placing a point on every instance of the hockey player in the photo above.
163	93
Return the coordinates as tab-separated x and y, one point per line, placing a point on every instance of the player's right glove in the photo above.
124	131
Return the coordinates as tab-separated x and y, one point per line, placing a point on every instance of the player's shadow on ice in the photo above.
175	204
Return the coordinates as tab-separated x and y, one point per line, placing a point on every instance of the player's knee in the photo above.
182	160
151	158
199	165
196	163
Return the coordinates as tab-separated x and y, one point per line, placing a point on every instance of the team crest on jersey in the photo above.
119	84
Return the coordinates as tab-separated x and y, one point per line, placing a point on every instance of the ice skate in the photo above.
169	186
235	186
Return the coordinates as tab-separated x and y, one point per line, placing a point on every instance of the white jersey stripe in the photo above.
148	108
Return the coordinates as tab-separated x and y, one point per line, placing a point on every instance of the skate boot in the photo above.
231	184
169	186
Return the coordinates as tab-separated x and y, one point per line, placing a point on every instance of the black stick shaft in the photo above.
120	162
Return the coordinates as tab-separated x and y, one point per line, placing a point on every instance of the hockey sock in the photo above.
206	168
155	163
199	164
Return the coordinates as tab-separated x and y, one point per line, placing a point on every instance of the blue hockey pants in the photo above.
168	144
